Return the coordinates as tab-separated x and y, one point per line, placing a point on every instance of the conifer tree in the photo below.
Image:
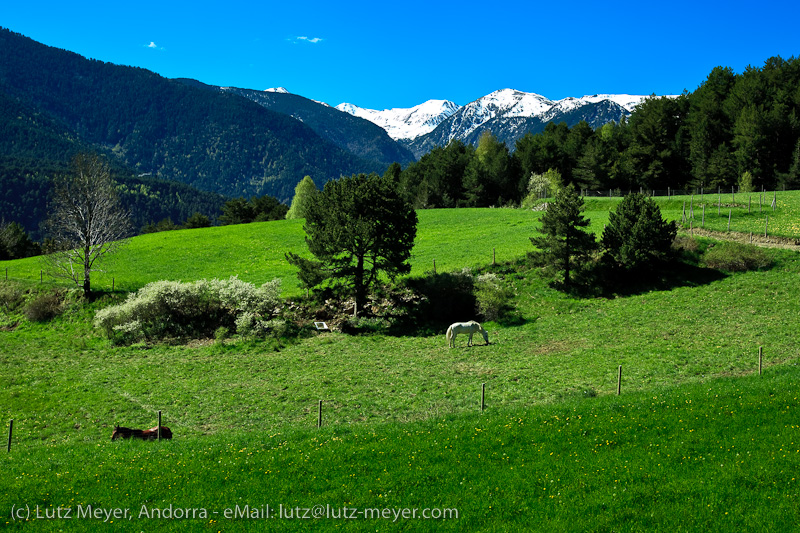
637	237
357	228
564	245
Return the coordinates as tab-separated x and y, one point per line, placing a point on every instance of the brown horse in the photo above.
146	434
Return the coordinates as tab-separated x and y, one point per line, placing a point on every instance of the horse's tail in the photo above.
449	334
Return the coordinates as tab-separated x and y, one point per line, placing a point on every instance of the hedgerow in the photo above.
171	309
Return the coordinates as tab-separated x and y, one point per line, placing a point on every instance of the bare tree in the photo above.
86	220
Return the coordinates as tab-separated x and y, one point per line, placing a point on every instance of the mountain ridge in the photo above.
171	129
507	113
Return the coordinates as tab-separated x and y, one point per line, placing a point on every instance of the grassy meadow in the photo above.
696	441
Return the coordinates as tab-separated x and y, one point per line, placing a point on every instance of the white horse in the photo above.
465	327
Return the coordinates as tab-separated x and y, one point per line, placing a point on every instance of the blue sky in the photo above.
398	54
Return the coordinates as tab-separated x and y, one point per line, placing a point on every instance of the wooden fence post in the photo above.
319	415
10	431
619	381
730	212
159	425
483	396
766	225
760	355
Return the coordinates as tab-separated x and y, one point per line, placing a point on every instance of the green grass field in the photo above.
697	441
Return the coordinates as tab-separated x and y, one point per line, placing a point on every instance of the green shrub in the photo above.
43	307
221	334
166	309
737	257
493	300
365	325
11	297
685	243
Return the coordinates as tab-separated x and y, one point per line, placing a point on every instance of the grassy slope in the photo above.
454	238
65	386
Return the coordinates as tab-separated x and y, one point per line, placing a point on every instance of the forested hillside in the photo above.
214	141
356	135
26	191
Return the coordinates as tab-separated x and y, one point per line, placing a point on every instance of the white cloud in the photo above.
153	46
313	40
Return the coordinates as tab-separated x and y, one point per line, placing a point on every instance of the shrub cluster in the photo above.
736	257
493	300
43	307
11	297
171	309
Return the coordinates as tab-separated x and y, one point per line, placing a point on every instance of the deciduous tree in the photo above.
302	195
86	220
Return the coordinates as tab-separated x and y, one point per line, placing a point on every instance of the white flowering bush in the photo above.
170	309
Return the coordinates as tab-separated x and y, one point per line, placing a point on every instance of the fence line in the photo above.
482	403
670	192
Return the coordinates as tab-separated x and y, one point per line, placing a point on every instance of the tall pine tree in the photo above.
564	246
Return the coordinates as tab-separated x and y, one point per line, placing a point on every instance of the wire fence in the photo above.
669	192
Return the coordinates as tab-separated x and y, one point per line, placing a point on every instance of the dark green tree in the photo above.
637	237
710	131
257	209
564	246
489	179
436	180
15	242
357	228
197	220
658	148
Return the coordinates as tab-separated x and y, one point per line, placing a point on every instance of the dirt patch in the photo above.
553	348
750	238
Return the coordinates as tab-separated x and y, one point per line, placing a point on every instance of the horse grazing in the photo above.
144	434
468	328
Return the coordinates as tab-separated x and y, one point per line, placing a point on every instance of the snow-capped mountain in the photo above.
409	124
405	123
507	113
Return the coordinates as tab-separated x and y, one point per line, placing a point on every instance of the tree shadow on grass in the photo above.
672	275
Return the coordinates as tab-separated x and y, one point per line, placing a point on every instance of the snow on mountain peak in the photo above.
504	103
277	90
401	123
